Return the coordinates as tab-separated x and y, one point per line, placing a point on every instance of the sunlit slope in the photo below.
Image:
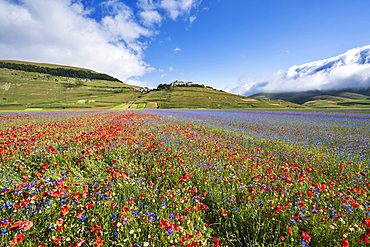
19	89
205	98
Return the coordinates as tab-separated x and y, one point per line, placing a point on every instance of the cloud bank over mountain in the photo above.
348	70
69	32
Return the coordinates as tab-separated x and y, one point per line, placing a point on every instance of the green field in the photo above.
206	98
185	178
19	90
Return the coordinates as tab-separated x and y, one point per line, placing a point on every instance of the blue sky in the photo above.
221	43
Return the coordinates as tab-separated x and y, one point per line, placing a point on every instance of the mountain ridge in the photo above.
322	99
49	65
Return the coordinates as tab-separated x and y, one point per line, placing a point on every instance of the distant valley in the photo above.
353	98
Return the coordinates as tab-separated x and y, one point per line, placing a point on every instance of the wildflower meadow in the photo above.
185	178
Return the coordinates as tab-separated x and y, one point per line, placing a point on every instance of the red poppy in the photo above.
23	225
365	238
57	240
55	193
77	195
323	187
60	221
19	238
60	229
182	239
306	236
278	209
98	242
345	243
310	195
64	210
290	231
366	221
217	242
15	226
26	225
96	228
90	205
79	214
224	212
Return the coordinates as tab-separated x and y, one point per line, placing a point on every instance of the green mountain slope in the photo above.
323	99
57	71
47	65
21	89
195	97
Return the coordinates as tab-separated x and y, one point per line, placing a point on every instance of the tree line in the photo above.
74	73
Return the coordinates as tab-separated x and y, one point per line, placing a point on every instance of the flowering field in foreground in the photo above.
184	178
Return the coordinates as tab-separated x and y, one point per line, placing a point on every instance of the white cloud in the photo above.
176	8
163	75
151	17
192	19
170	69
137	82
58	32
348	70
176	50
61	31
172	8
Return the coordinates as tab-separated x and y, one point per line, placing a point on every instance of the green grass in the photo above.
118	107
141	106
27	89
20	90
206	98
